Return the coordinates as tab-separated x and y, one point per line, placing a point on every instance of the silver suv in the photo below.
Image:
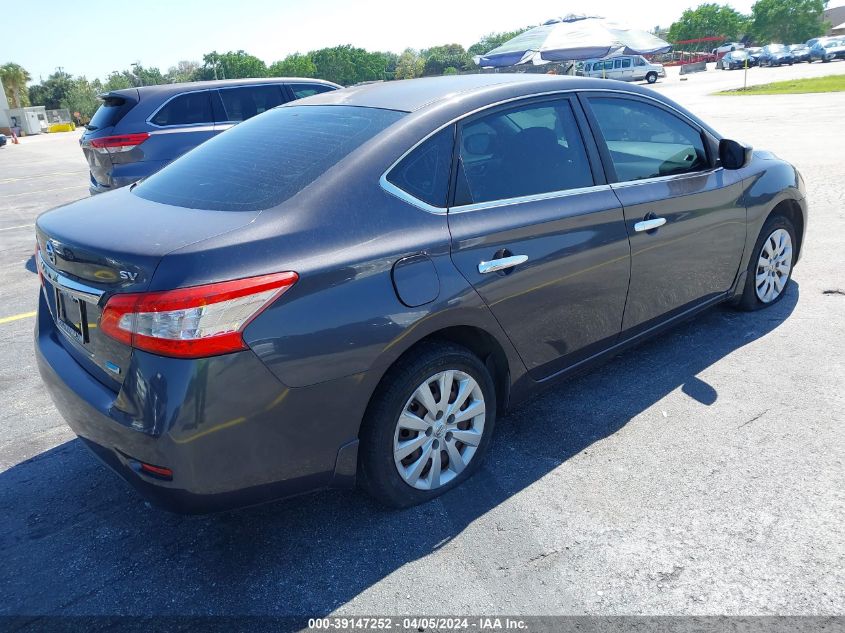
623	68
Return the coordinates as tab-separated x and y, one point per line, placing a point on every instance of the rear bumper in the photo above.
122	175
231	433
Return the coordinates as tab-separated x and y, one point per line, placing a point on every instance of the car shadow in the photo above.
30	264
75	539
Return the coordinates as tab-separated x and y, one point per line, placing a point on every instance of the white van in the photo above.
623	68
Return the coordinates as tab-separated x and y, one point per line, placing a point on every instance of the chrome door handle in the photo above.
503	263
649	225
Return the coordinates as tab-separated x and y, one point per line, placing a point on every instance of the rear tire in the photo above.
770	268
651	77
408	411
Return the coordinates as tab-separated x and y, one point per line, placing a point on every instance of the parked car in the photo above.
624	68
352	288
827	50
2	140
754	53
800	53
137	131
727	47
736	59
775	55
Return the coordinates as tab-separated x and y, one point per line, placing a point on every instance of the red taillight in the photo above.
192	322
119	143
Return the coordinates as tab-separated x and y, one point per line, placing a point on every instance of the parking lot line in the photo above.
17	317
32	193
3	181
19	226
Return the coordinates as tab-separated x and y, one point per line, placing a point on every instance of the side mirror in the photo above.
734	155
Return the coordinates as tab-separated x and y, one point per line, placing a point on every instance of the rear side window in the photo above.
300	91
645	141
424	172
190	108
110	113
264	161
523	151
244	103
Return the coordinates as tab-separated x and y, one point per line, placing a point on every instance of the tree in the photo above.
118	81
295	65
14	78
788	21
439	58
52	91
347	65
232	65
409	65
709	20
183	71
493	40
82	97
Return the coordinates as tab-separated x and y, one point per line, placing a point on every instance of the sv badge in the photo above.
125	274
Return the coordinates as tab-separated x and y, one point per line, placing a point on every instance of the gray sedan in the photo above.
352	287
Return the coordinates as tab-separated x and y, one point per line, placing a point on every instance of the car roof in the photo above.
411	95
185	86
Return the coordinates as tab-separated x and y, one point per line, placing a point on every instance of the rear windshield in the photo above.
266	160
108	114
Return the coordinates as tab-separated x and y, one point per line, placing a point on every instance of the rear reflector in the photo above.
192	322
156	471
120	143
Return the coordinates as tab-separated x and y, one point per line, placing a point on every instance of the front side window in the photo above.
645	141
424	172
188	109
522	151
300	91
244	103
640	61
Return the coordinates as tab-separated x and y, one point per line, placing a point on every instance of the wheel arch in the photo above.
791	210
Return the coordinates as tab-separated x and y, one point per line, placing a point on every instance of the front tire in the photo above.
771	265
651	77
428	425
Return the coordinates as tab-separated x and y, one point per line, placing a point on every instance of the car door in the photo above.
683	212
537	231
627	68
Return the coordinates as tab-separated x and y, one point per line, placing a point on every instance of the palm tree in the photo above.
15	78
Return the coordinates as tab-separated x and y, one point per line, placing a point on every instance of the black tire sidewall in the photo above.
651	77
377	470
749	300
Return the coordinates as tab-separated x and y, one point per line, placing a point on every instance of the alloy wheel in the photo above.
773	266
439	429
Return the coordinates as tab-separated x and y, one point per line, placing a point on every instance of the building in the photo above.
5	117
836	17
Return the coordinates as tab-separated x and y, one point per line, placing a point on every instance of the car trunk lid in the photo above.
107	244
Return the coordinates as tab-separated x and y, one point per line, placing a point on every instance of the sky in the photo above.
112	35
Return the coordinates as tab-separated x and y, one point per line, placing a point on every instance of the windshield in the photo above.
739	55
265	160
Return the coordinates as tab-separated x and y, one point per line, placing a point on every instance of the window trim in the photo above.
577	95
609	168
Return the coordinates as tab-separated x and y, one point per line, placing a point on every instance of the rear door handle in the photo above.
649	225
503	263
